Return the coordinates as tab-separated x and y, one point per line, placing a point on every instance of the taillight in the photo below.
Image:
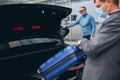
35	27
20	28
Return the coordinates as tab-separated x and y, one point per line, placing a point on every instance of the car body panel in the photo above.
29	36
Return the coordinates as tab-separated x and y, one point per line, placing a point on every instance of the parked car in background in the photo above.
29	35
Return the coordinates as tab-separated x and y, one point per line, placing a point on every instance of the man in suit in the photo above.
103	51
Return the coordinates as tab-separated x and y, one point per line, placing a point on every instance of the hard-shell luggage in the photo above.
59	63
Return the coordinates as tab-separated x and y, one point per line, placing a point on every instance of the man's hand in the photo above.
79	42
63	26
91	37
76	67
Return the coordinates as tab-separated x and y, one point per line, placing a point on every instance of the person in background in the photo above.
103	51
86	22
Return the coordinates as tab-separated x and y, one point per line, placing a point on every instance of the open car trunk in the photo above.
29	35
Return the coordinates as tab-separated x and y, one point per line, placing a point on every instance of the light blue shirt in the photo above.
87	24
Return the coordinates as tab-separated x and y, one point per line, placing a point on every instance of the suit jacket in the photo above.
103	52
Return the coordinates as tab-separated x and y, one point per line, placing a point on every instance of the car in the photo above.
29	35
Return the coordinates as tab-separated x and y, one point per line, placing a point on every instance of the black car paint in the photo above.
19	62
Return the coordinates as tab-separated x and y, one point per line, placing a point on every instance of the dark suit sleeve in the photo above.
107	36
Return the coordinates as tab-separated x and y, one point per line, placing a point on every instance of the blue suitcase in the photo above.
59	63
